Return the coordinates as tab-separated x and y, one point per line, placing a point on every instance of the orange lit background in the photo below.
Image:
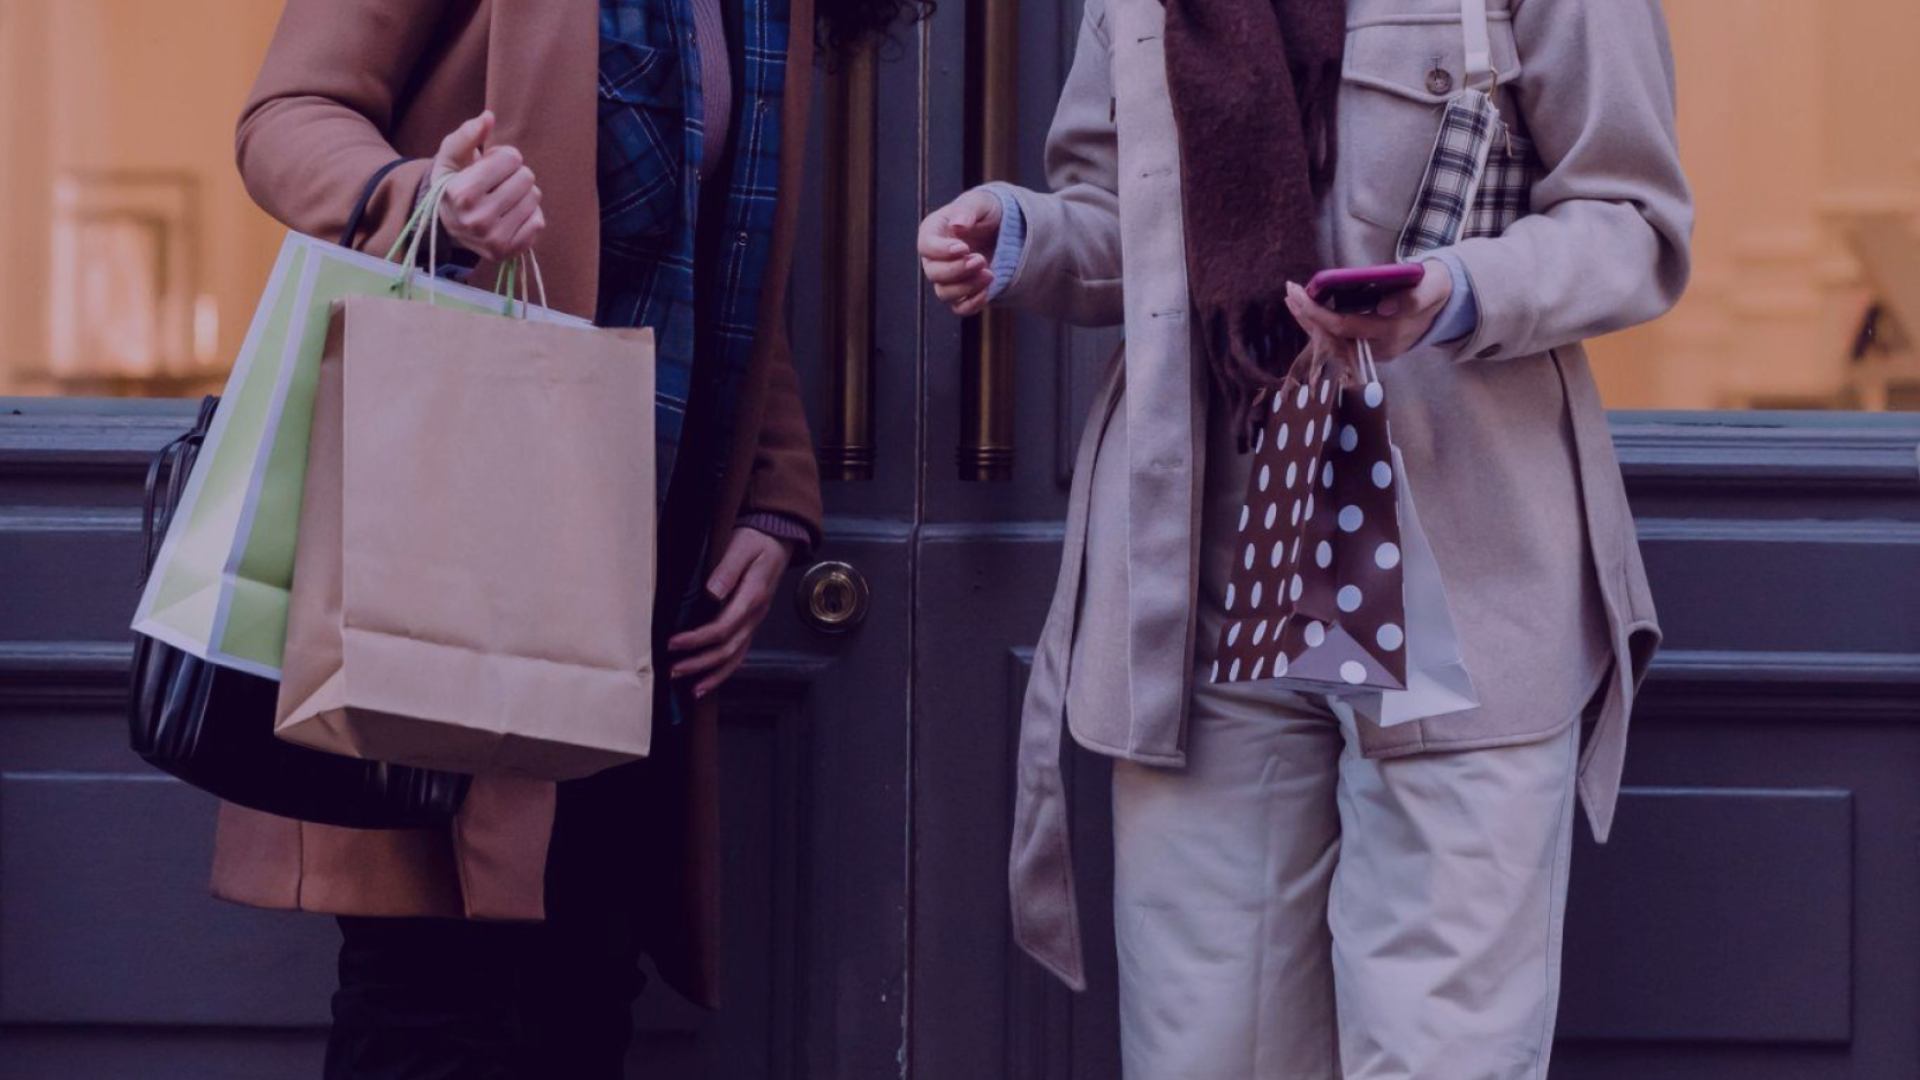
135	255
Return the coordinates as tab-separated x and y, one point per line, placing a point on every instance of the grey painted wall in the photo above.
1754	917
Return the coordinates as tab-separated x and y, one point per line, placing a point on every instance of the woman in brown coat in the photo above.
655	171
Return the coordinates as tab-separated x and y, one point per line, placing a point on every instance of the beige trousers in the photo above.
1288	910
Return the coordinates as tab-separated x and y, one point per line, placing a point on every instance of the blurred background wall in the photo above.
134	255
116	138
1798	122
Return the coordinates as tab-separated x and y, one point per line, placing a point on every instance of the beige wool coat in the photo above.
1506	445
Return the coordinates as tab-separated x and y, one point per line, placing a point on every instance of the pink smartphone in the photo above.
1359	291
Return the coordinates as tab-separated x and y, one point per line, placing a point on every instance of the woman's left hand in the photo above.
1395	327
744	582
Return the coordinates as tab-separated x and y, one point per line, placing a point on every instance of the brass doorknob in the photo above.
833	597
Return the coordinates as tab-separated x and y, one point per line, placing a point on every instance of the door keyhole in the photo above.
833	597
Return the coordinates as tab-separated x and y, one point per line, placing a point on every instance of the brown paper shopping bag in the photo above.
473	586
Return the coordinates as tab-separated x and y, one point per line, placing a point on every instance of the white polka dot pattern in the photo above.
1334	618
1387	555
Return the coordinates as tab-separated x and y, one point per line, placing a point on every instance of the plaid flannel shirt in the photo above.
697	285
650	146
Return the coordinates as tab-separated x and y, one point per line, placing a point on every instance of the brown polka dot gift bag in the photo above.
1334	589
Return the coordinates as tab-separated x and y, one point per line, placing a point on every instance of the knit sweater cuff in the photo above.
1013	243
780	527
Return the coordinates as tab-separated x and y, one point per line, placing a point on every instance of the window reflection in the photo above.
134	256
1803	144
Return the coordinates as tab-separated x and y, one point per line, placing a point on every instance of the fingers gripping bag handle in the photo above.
424	226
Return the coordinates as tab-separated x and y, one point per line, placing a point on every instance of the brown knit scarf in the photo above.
1254	84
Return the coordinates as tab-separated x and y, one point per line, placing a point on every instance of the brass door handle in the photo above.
986	450
846	449
833	597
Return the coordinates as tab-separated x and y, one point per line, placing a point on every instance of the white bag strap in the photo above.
1473	19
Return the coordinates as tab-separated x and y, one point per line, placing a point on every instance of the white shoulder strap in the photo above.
1473	18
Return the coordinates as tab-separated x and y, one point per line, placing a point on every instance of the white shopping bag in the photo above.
1437	680
219	588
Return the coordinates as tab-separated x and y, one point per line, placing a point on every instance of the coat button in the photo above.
1439	81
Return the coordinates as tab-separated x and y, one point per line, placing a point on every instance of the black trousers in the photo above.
447	999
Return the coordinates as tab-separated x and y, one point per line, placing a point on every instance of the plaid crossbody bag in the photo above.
1479	179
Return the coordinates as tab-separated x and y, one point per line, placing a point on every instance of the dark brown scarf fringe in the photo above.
1251	351
1257	150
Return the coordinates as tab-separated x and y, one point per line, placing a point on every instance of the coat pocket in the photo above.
1399	74
642	148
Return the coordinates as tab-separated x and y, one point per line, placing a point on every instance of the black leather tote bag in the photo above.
213	727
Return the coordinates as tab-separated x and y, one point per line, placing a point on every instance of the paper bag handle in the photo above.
1369	371
424	224
522	269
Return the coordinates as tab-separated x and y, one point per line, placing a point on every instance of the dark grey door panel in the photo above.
116	963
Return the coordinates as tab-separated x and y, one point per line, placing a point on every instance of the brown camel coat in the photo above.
349	85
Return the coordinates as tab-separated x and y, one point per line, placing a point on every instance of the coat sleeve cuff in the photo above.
1010	254
1507	324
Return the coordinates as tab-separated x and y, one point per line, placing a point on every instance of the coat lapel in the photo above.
543	62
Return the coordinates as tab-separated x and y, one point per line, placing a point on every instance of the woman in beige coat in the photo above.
1299	891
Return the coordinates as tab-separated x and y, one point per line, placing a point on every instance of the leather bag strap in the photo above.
355	219
172	462
1473	19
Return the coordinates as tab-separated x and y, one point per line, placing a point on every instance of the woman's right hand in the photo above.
492	204
956	243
